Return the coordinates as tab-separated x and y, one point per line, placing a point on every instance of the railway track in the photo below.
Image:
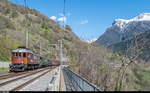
4	73
28	82
13	74
20	81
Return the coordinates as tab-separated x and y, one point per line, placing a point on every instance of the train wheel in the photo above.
10	70
32	67
23	69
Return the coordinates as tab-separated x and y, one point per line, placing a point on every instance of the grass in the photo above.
4	69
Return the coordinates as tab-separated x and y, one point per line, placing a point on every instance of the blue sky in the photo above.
90	18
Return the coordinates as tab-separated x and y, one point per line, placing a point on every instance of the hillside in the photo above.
138	45
14	21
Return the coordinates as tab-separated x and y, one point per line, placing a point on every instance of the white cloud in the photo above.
53	18
84	22
67	14
91	41
62	19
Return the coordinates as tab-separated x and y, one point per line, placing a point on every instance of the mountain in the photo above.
124	29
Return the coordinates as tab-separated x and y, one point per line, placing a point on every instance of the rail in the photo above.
79	83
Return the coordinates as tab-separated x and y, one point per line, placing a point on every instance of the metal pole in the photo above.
27	38
56	51
40	48
61	52
25	2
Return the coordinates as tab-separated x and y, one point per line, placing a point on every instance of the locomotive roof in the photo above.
23	50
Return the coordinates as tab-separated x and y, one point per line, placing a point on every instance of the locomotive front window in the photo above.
29	55
24	54
19	54
16	54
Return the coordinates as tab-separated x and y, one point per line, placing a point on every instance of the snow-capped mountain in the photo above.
91	41
122	29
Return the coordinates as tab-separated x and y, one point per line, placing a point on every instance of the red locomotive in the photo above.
23	58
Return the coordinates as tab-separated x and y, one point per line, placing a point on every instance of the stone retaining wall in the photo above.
4	64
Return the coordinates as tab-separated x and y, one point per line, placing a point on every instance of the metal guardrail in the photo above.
79	83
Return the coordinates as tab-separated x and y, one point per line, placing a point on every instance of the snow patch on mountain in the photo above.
91	41
141	17
122	23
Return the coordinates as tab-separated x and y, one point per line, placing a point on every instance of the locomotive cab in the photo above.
19	60
23	58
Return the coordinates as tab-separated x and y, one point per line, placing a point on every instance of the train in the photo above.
23	59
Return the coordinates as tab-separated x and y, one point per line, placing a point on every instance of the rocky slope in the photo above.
137	46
